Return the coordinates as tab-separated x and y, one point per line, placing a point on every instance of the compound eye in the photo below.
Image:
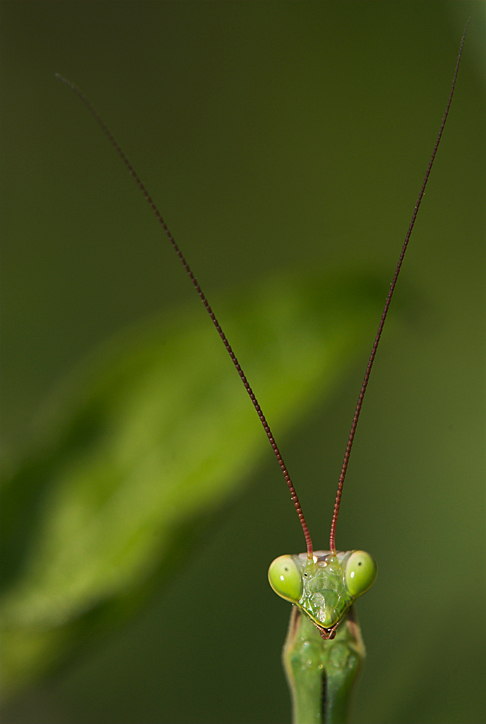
361	573
285	578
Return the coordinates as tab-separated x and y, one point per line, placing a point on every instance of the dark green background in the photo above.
271	135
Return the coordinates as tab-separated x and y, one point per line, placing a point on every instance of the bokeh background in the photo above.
273	136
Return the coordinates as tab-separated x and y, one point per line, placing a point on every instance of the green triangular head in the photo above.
323	587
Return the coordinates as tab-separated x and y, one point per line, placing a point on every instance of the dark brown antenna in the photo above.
202	296
332	538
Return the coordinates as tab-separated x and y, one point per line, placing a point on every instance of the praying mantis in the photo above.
330	174
324	648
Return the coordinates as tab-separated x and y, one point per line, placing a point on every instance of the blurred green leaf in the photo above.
142	446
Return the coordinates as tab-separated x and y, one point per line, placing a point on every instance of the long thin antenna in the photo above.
332	538
202	296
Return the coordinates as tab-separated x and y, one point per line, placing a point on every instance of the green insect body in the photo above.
325	586
321	674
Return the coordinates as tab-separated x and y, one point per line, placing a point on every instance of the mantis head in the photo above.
325	586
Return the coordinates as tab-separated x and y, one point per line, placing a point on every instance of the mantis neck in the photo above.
321	673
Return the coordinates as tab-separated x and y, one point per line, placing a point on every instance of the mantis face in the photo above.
325	586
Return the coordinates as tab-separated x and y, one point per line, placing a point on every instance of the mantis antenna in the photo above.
204	300
332	537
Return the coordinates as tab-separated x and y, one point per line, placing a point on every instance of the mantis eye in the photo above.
360	573
285	578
